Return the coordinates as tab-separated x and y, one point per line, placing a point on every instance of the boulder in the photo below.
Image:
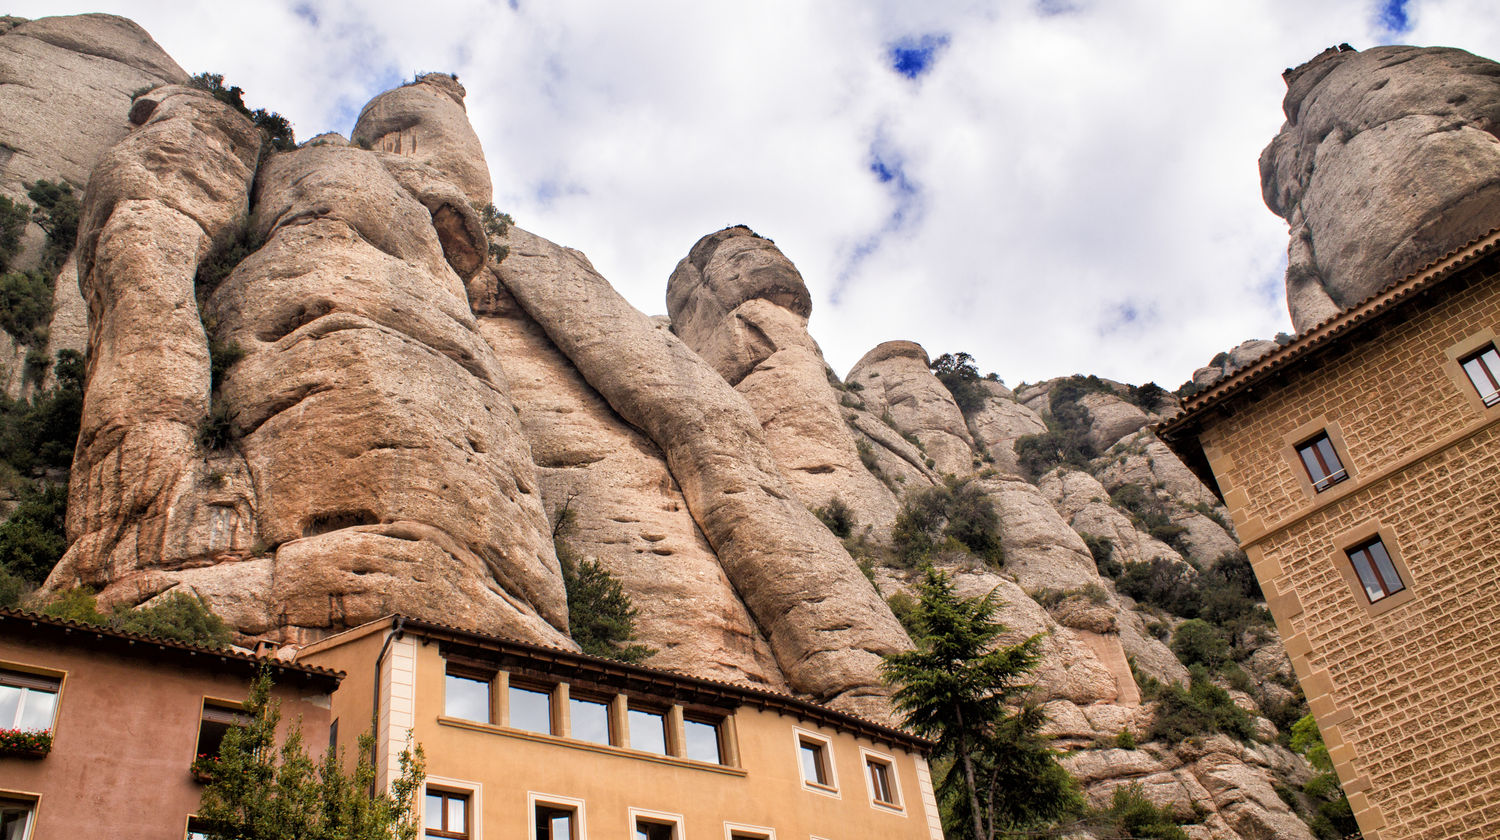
426	120
1386	162
1041	551
999	423
739	303
898	384
1111	418
1084	504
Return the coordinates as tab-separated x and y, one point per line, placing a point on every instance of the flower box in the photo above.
24	743
203	768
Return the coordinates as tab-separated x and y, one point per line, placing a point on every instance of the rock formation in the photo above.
1388	160
315	397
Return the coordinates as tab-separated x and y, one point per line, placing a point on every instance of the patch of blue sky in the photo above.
888	166
1128	316
549	190
1393	17
914	55
307	12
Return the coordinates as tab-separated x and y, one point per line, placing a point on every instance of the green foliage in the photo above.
221	357
1148	511
904	608
601	618
1148	397
1125	740
837	516
217	429
957	509
1307	739
1131	815
260	792
1201	709
12	589
1167	584
1196	642
40	432
25	305
1066	440
223	259
960	690
34	538
1103	551
176	615
276	129
56	213
1333	818
957	373
13	218
496	224
1224	596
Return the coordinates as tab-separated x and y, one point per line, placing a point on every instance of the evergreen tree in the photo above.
958	689
259	792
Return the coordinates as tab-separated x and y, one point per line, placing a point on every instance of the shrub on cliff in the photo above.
40	432
601	618
176	615
956	510
959	375
276	128
34	538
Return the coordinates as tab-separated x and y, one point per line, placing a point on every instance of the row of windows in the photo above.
815	754
469	695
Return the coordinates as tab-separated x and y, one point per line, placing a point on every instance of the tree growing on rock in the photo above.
997	776
959	375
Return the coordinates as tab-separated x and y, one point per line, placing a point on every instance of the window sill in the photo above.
888	807
17	752
588	746
825	790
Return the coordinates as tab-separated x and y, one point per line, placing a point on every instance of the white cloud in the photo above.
1084	198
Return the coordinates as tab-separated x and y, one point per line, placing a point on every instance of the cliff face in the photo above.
1387	161
315	397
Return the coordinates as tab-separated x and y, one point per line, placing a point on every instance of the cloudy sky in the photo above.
1056	186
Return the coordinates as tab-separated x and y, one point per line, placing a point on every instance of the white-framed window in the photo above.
740	831
1483	370
881	780
656	825
28	702
556	817
815	762
451	809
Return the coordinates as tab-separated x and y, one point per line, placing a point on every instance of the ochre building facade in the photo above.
524	741
1361	465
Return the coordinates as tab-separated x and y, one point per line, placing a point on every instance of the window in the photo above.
1377	574
530	709
217	719
649	830
702	741
648	731
881	774
555	823
446	814
27	702
466	695
1483	369
814	753
748	832
15	819
1322	462
196	830
589	719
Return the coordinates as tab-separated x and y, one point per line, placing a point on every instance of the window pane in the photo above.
653	831
702	741
531	710
1330	457
13	819
590	720
648	731
467	698
1310	460
433	812
458	814
10	703
880	780
812	764
1367	579
1484	371
36	712
1386	568
553	823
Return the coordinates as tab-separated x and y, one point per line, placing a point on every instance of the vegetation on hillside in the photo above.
601	618
956	514
175	615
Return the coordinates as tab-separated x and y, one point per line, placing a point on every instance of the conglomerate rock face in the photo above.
1388	160
401	423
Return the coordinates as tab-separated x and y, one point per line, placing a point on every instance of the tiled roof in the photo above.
672	679
1328	333
34	622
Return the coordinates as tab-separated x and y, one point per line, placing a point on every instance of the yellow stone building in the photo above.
525	741
1361	465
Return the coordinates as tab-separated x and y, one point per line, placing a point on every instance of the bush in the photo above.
837	516
496	224
1197	642
274	127
1125	740
223	259
41	432
957	509
961	378
13	218
34	538
1103	551
1201	709
176	615
56	213
1148	397
904	607
1131	815
25	306
1166	584
601	618
1148	511
221	357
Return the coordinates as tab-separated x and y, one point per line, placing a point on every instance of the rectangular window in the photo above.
814	756
702	740
1483	369
466	695
882	787
652	830
218	719
27	702
648	731
589	719
556	823
1377	574
530	709
446	814
15	819
1322	462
